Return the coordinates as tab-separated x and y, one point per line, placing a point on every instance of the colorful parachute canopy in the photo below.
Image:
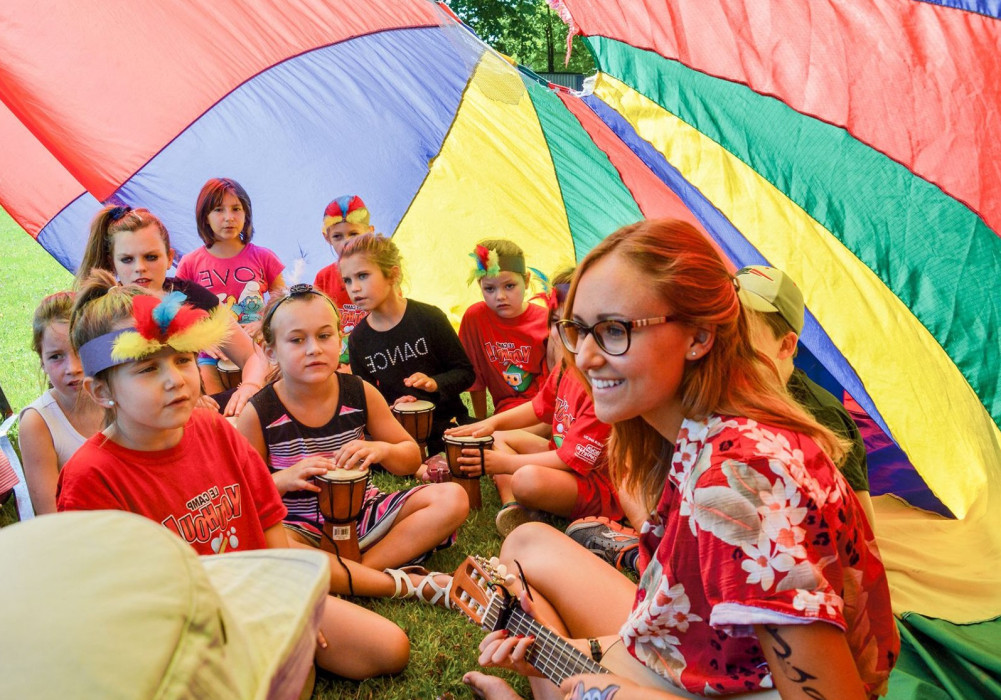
849	143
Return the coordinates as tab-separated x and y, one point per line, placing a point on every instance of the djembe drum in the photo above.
341	497
416	417
229	373
453	450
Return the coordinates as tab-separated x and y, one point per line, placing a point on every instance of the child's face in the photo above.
338	234
154	397
367	286
60	363
140	257
504	294
307	345
227	219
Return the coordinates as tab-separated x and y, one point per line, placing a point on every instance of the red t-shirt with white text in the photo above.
210	487
578	436
508	354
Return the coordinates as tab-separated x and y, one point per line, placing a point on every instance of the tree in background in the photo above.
528	31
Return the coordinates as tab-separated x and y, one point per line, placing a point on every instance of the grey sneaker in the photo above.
606	538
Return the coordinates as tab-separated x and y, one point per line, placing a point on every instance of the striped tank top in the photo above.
289	441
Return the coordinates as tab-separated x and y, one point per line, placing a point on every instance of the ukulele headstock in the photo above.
478	590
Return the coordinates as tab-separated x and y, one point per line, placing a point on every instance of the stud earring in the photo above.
110	403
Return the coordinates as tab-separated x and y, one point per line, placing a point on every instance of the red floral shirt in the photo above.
755	526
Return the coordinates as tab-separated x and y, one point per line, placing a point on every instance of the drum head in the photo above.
468	439
343	475
413	407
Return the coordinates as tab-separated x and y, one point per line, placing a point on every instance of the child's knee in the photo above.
450	500
396	652
529	483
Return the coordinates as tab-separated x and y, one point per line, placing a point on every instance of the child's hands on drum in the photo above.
419	380
362	454
479	429
494	462
299	477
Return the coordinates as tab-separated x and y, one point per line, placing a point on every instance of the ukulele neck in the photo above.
551	654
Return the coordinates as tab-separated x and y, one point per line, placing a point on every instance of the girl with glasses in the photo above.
759	572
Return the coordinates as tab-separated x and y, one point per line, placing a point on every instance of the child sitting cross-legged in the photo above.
564	474
313	419
187	468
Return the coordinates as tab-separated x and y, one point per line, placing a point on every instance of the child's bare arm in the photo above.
398	452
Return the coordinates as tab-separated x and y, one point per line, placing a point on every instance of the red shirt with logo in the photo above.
578	436
212	489
329	281
508	354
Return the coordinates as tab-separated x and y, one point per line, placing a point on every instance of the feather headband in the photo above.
348	208
489	264
552	295
158	323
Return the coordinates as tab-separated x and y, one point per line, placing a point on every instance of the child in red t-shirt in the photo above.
343	219
188	470
504	335
564	474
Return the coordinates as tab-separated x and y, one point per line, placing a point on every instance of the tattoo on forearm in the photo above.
580	693
794	673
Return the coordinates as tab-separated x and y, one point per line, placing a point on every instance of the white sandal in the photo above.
406	589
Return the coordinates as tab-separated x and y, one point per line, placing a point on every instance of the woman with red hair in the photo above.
759	570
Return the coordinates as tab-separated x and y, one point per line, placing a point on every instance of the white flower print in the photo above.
762	562
781	516
811	602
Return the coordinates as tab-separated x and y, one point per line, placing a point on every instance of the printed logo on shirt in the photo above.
351	316
517	378
348	410
243	274
384	359
250	306
209	518
508	354
588	452
562	420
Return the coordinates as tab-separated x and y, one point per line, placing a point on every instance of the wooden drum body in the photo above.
341	497
416	418
229	373
454	445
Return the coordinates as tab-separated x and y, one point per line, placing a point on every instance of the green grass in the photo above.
443	643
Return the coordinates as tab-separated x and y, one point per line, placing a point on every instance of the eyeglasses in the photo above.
612	335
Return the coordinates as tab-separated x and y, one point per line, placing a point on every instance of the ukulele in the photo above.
478	590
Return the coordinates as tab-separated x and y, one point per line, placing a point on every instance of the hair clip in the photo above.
117	213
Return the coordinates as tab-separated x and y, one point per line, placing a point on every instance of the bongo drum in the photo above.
230	373
453	450
341	497
416	417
